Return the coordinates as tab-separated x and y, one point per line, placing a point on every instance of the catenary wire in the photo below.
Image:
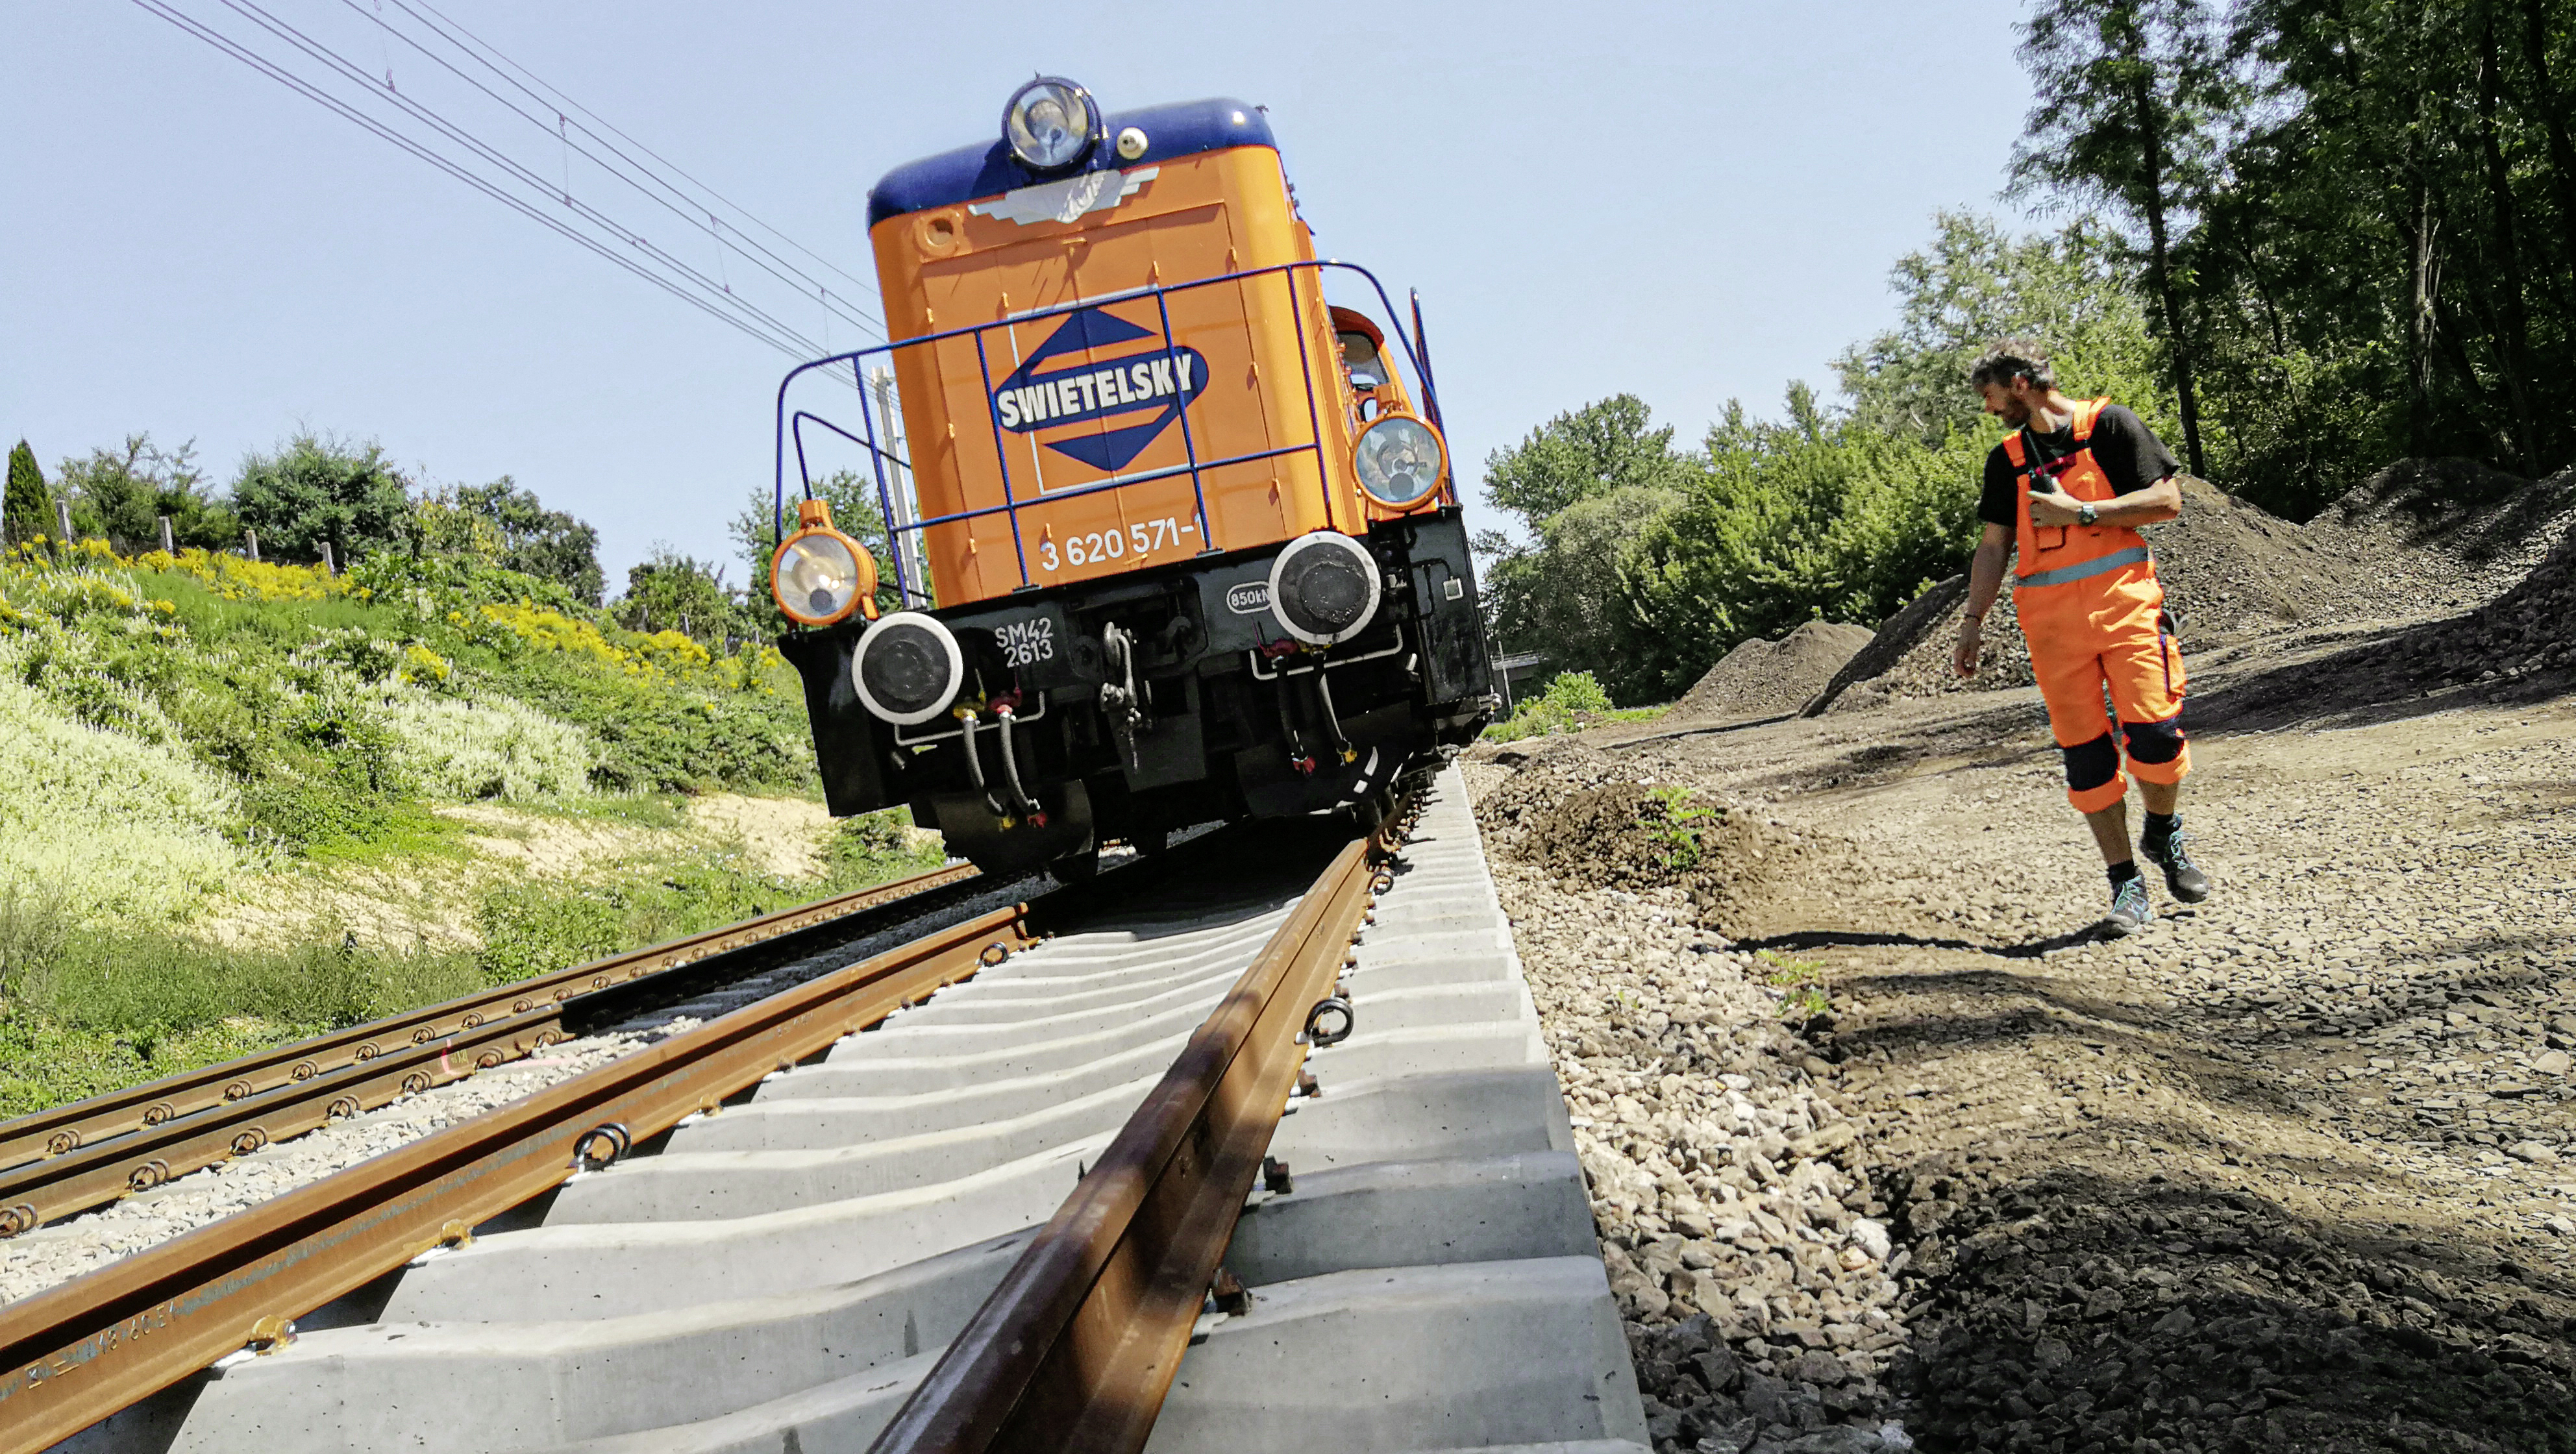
476	45
299	85
352	71
643	178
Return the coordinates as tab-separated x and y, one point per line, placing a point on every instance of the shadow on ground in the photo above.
2075	1310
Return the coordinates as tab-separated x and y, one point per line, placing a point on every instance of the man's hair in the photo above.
2008	358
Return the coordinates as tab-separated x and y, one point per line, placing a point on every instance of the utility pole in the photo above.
905	541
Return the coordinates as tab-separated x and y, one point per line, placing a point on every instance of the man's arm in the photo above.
1985	582
2154	505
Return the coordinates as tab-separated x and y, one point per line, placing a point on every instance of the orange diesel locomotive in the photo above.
1174	530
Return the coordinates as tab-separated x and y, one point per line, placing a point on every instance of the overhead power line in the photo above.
690	203
411	123
546	95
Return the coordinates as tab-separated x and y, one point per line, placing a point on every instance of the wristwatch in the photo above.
2085	514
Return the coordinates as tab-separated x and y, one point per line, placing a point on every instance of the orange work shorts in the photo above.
2108	634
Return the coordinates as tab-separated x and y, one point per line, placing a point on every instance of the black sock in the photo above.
2160	827
2123	871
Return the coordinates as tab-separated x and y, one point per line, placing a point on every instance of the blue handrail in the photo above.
790	427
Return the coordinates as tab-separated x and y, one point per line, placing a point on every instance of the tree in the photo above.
25	506
1584	484
122	494
2385	262
2129	94
674	592
854	513
1603	446
317	489
1973	285
503	525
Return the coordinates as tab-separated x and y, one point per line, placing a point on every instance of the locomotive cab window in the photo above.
1365	364
1360	360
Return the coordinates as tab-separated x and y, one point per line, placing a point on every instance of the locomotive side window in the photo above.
1360	360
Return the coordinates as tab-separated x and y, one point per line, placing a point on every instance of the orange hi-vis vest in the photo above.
2054	555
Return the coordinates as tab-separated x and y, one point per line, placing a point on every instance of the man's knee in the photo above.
2153	742
2089	765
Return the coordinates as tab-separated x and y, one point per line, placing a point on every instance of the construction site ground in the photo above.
2294	1168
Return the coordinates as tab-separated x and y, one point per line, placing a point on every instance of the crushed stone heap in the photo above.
2420	535
1761	678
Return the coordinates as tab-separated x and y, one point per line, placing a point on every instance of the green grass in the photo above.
537	926
44	1063
211	619
85	1011
1803	995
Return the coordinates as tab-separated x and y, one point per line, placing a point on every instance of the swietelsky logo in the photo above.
1074	394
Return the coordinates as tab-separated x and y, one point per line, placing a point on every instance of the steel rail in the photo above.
67	1128
1077	1347
74	1354
38	1192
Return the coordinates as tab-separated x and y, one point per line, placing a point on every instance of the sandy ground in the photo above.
2284	1171
432	901
781	837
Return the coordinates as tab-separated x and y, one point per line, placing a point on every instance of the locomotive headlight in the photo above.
1400	461
1324	588
1050	124
820	575
907	668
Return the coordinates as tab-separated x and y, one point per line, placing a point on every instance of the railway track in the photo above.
83	1155
1255	1145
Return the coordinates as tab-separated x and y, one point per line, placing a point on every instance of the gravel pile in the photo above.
2420	536
2524	631
2442	534
1762	678
1750	1257
60	1251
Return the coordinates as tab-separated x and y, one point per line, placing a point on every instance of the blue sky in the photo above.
1687	202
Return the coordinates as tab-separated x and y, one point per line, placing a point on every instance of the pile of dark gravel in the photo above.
2422	535
1762	678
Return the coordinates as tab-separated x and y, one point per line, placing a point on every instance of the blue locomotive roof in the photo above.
988	169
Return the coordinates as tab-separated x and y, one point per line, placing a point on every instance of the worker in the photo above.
2066	493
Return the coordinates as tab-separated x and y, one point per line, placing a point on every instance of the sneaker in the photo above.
2130	911
2183	878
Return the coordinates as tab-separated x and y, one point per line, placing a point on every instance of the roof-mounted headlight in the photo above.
1050	124
820	575
1400	461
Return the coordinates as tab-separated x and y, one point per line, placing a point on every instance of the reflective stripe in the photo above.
2099	565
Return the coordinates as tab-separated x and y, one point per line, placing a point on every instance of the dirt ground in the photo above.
2292	1169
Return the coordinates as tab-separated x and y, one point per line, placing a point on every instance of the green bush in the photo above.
317	490
870	848
1570	701
538	927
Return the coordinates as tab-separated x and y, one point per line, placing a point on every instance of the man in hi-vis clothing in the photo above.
2066	492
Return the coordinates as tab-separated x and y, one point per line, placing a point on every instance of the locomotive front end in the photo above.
1174	539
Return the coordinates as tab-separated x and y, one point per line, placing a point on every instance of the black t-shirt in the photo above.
2128	451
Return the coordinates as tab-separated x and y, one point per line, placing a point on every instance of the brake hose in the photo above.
975	765
1029	808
